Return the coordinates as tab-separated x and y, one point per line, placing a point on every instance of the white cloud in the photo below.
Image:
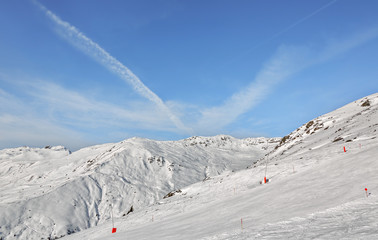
48	114
77	110
339	46
20	126
26	130
284	64
55	112
82	42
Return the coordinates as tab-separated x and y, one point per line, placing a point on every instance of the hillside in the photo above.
51	192
317	191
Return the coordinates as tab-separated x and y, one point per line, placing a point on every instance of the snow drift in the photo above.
317	190
51	192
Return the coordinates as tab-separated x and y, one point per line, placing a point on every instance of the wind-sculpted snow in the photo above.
51	192
317	191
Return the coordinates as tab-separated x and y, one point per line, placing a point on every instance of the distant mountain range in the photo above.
51	193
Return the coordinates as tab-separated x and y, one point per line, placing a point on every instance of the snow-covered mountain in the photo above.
51	192
316	190
347	126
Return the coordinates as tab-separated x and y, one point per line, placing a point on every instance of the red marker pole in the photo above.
366	192
266	165
344	149
113	229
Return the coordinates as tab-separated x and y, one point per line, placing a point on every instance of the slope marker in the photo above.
113	229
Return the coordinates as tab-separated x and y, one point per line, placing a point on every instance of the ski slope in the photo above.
317	191
50	192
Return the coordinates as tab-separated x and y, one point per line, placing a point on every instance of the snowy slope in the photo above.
317	191
52	192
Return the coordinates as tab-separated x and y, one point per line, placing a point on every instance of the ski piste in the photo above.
218	178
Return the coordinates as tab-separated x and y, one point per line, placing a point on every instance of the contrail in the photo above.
91	48
302	20
285	30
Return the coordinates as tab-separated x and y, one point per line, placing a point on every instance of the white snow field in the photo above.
316	190
50	192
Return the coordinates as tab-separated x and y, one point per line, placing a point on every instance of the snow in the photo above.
317	191
132	173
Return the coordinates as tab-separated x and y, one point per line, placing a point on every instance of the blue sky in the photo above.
77	73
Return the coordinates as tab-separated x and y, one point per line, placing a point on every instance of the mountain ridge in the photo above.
134	173
316	190
200	172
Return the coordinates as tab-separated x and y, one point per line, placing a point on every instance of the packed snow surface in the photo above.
51	192
316	190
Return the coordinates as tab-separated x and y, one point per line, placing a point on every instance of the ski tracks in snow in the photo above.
353	220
